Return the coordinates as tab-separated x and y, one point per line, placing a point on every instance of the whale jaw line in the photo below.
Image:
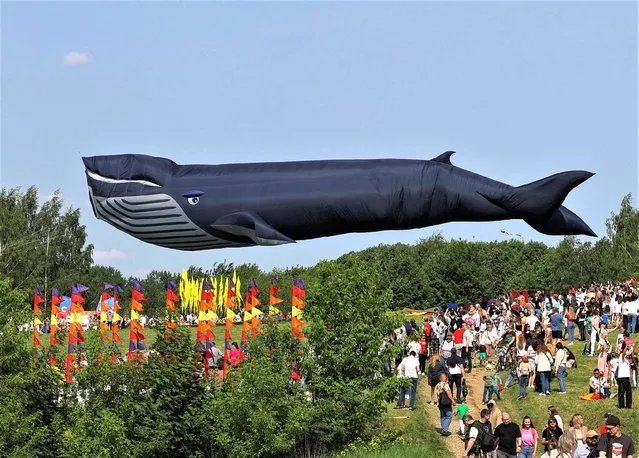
156	219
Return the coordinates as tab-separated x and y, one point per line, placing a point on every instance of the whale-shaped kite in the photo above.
199	207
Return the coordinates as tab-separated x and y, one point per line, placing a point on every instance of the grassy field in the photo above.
417	436
400	451
569	404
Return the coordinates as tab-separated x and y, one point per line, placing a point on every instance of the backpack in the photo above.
483	437
444	400
488	440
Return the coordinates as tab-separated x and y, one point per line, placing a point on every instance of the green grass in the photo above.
569	404
399	451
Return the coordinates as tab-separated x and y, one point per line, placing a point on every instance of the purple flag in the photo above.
118	289
70	348
55	292
137	286
171	285
37	291
141	346
207	285
106	286
274	279
78	289
131	346
231	284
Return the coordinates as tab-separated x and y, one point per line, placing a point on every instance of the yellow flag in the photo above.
117	317
54	320
135	315
256	312
202	316
297	313
273	311
103	317
229	314
247	316
37	321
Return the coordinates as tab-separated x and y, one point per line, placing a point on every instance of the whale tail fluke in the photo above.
540	197
560	222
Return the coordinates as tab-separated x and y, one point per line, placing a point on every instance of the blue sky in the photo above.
520	91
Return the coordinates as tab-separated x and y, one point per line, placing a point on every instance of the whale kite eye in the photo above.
193	197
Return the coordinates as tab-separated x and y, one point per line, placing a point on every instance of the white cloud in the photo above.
111	255
75	58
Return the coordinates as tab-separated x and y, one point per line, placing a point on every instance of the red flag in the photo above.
137	295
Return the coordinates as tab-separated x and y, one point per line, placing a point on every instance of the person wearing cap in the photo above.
587	450
615	444
603	429
495	414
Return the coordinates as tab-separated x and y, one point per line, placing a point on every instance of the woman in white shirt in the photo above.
623	378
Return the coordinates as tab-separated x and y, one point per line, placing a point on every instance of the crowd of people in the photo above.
532	339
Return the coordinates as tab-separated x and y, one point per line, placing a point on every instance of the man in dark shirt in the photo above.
614	444
508	438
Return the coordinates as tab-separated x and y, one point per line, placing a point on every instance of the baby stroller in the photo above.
505	358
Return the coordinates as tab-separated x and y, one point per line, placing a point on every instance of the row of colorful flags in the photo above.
212	294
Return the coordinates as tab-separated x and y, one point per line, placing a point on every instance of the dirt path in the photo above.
475	384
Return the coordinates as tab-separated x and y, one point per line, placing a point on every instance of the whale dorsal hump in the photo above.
444	158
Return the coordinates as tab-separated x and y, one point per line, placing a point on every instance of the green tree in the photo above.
43	244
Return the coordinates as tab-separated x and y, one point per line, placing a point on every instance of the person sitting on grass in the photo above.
599	384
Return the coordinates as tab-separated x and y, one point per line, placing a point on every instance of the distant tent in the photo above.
65	306
452	306
109	302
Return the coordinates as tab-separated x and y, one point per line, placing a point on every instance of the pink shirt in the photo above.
528	436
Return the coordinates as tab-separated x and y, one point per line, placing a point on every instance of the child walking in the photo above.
462	410
523	372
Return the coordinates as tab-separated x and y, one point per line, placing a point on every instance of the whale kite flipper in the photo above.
250	225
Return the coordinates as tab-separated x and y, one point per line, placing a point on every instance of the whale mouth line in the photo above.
98	177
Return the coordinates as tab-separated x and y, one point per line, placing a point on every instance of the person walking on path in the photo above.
508	437
445	403
495	414
435	369
408	369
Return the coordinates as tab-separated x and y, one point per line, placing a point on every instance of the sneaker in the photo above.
542	394
520	398
562	392
446	433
